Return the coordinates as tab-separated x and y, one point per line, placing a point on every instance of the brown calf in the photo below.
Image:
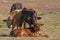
13	19
23	32
27	32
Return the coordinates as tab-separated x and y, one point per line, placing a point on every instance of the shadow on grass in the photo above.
4	35
0	26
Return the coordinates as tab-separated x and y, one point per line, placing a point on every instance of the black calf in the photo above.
28	16
16	6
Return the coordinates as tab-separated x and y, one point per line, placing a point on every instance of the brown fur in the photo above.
26	32
14	19
13	13
22	32
30	31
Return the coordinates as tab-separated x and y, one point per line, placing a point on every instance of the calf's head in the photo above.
37	26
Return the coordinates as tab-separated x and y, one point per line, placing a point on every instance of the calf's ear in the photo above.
4	20
39	18
40	24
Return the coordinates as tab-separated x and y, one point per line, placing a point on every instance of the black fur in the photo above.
16	6
28	16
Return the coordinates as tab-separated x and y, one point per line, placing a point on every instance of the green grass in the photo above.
2	24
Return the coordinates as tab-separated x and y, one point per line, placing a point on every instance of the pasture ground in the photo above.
49	10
